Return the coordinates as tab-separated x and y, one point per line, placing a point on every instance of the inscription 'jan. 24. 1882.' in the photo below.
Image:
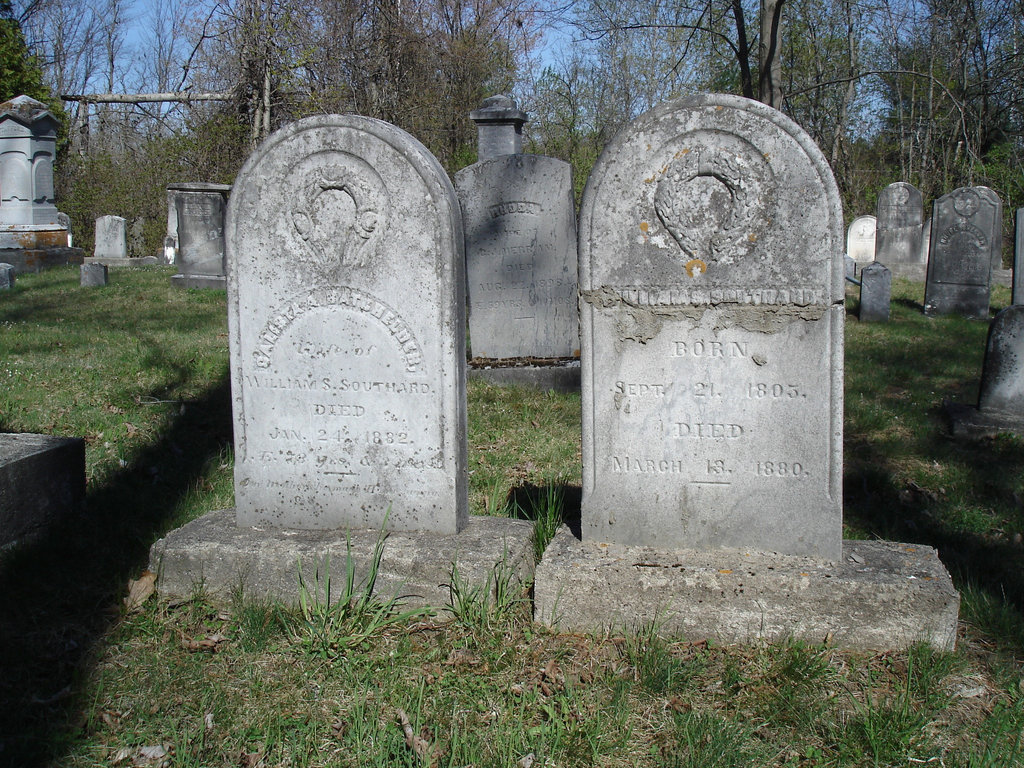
712	334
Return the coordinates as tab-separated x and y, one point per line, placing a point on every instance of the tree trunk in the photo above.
769	54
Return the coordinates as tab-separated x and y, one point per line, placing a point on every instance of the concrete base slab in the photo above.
975	424
27	260
881	596
560	378
42	480
115	261
200	281
215	553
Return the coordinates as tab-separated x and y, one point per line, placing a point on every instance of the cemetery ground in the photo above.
140	369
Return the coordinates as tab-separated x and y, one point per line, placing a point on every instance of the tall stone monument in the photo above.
898	230
520	228
860	240
499	125
1001	397
966	239
712	289
199	234
32	233
346	315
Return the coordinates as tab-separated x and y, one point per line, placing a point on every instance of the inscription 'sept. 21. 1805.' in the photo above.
347	332
711	275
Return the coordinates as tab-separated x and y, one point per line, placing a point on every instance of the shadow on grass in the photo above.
59	595
991	561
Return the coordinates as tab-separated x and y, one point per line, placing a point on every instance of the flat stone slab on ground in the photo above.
42	480
881	596
216	553
199	281
559	378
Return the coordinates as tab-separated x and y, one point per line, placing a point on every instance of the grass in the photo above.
140	370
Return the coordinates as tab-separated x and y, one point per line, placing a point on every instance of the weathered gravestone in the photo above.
712	323
1018	258
346	311
712	287
111	242
520	225
7	272
926	242
875	293
93	275
347	348
966	239
1001	398
199	229
860	240
898	230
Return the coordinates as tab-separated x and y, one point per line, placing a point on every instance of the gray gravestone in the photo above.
93	275
965	242
711	277
6	276
875	293
898	230
520	227
346	307
499	124
1002	378
199	211
860	240
1018	259
110	238
849	268
1001	397
711	274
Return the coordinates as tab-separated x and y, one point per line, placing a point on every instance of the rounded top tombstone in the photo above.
346	309
721	191
712	285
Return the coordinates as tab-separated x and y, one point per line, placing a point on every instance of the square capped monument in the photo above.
520	223
711	277
346	309
966	239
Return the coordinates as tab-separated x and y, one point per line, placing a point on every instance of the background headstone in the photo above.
875	293
346	308
860	240
110	238
1001	397
6	276
898	230
965	242
499	124
926	241
93	275
1002	378
1018	259
199	210
711	281
849	267
520	228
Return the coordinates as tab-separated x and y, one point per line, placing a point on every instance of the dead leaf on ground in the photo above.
130	428
157	756
251	759
420	746
210	643
139	591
